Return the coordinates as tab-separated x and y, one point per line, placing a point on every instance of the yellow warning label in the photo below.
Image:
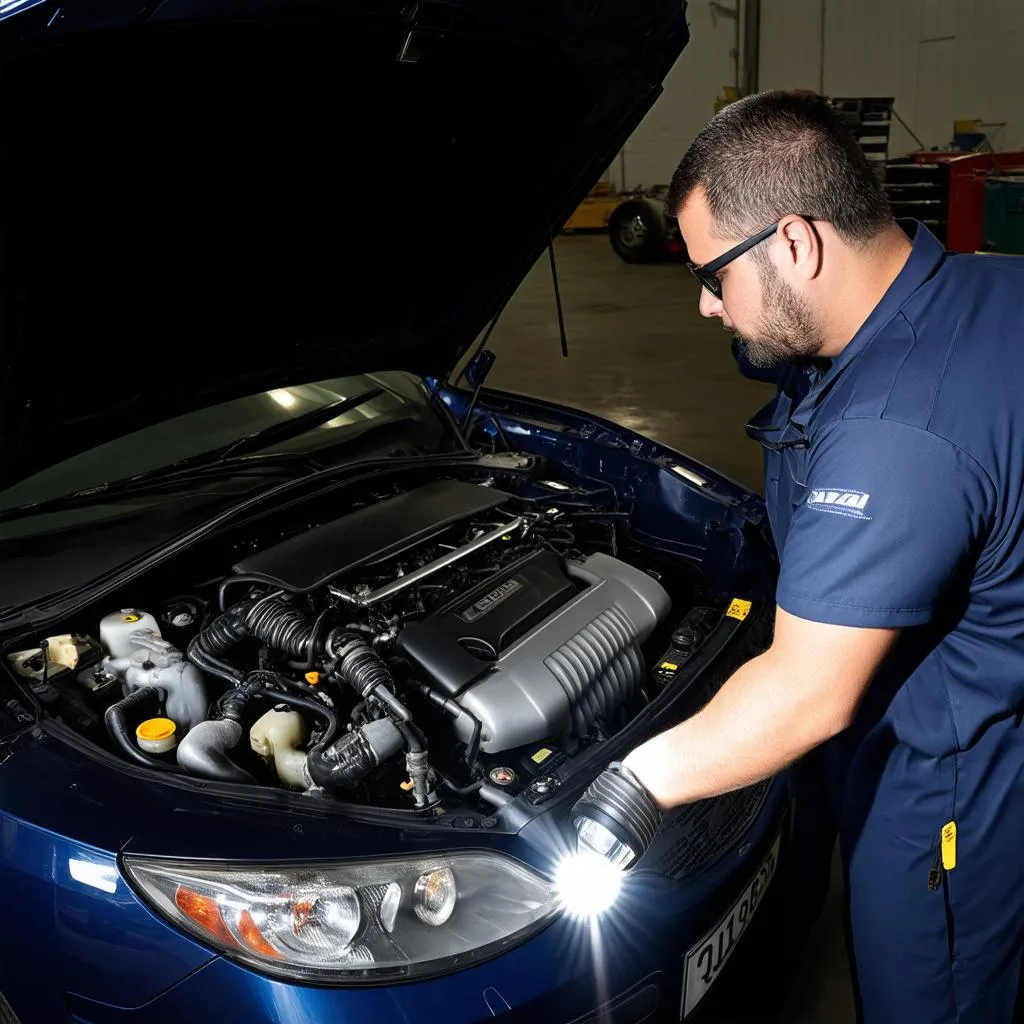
131	618
542	755
668	666
949	845
738	609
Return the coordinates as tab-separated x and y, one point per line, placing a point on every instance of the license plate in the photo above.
704	962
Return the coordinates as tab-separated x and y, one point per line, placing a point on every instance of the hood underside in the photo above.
205	200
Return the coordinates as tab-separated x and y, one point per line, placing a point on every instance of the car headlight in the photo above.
352	922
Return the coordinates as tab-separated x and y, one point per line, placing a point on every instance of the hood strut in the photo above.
558	299
490	327
480	382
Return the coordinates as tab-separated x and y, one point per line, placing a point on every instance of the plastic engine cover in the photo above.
554	655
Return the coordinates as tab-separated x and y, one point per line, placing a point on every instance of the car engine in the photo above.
445	639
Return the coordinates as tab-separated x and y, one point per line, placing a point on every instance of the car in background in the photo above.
307	643
640	230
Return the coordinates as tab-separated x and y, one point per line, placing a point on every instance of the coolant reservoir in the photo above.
153	661
278	734
117	629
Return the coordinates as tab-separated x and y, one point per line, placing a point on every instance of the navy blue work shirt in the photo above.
895	490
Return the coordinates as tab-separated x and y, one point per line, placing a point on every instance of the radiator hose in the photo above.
141	704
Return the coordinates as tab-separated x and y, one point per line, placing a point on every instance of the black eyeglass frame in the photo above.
707	274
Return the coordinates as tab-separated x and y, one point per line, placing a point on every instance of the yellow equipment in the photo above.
593	213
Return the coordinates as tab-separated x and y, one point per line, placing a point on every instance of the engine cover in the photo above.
535	654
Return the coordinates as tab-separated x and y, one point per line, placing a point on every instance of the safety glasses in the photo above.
707	275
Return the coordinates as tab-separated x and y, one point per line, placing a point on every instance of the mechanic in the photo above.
894	457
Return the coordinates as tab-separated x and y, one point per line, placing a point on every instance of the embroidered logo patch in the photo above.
851	504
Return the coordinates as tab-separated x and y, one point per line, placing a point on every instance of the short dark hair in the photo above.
777	153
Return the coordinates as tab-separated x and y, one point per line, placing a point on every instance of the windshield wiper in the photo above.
209	464
295	427
156	479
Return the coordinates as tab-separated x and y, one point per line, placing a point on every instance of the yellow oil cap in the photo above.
156	729
156	735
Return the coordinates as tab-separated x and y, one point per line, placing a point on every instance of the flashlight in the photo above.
616	817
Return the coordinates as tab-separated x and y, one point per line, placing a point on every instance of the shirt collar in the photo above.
926	254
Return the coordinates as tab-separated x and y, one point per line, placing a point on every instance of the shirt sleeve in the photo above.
890	518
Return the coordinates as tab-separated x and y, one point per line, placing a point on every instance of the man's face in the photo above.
771	320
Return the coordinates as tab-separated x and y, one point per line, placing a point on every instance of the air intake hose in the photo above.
347	762
361	667
204	751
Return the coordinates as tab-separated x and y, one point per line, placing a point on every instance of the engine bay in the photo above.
449	643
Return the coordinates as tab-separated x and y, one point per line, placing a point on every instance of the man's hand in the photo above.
802	691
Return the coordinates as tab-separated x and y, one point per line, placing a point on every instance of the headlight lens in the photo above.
352	922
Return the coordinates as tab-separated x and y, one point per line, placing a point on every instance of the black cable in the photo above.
414	739
455	710
473	747
316	638
204	647
314	707
459	790
271	685
230	582
500	430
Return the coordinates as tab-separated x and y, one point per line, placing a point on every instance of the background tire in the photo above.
637	232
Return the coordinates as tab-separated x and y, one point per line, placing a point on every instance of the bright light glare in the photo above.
283	397
99	876
587	884
688	474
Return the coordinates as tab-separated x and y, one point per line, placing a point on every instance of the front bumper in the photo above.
625	969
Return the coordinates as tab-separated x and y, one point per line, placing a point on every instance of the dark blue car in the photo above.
309	643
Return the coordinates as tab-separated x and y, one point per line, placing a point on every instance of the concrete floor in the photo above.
640	354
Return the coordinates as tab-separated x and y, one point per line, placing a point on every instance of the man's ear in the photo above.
802	251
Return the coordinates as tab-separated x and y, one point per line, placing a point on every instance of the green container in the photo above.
1003	222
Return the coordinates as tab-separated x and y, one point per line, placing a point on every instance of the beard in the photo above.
786	329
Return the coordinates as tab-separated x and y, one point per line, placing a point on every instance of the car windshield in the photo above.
367	401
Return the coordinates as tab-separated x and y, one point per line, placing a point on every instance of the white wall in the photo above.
688	100
942	60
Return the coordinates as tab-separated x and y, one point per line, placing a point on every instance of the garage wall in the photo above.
688	100
942	60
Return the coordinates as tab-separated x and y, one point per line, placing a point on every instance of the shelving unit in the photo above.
870	117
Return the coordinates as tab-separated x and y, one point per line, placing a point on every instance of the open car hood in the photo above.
204	199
